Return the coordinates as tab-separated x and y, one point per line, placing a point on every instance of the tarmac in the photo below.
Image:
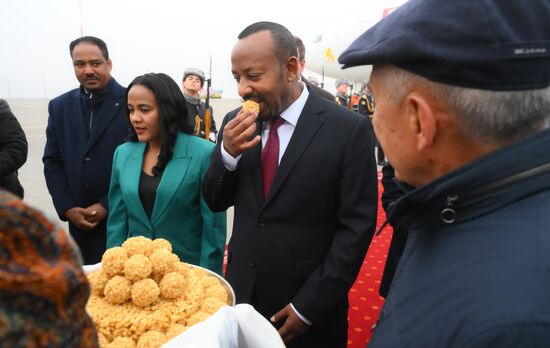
33	117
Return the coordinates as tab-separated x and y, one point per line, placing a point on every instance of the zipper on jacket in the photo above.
91	114
448	214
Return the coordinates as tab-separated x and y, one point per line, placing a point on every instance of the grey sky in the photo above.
142	36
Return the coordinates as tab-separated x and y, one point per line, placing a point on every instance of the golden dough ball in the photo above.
208	281
194	277
218	292
112	262
159	243
211	305
145	292
102	340
172	286
151	339
197	318
182	268
136	245
98	280
117	290
251	105
193	280
163	261
199	272
137	267
175	330
122	342
194	293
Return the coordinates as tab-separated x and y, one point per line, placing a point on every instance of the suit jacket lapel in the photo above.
108	110
308	124
255	166
132	174
76	115
171	178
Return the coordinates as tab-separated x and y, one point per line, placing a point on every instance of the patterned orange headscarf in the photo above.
43	290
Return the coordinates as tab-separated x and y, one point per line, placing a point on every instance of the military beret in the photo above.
483	44
196	72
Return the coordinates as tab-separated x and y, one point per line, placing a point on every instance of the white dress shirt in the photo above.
285	131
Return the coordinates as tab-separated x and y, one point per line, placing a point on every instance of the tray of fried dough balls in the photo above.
143	296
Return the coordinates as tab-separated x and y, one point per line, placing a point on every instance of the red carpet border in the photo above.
364	301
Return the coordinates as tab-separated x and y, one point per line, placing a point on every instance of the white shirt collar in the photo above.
292	113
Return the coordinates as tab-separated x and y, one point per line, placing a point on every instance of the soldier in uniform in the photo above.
366	103
342	98
193	81
354	101
366	107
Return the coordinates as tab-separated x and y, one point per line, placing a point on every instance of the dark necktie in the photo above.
270	154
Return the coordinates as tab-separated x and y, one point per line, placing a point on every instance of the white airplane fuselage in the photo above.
322	52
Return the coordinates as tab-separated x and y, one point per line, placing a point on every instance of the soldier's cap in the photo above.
196	72
483	44
342	81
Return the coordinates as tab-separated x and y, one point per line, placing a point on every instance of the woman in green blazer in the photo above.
157	177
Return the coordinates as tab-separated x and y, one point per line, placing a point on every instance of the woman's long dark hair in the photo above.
172	113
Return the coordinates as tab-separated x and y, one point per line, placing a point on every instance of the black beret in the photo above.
484	44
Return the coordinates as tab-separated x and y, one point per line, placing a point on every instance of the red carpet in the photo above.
364	301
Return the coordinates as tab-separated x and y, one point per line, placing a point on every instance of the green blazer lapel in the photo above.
172	176
132	174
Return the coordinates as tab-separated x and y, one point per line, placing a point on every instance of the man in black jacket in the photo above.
13	150
85	126
301	176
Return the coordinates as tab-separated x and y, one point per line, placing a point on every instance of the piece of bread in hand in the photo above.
251	105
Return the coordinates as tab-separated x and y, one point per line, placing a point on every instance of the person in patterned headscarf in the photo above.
43	289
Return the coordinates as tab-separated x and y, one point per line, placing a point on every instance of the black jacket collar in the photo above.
481	186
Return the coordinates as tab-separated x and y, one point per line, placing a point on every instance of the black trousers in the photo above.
91	243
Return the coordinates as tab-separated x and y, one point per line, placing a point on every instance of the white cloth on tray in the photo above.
230	327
